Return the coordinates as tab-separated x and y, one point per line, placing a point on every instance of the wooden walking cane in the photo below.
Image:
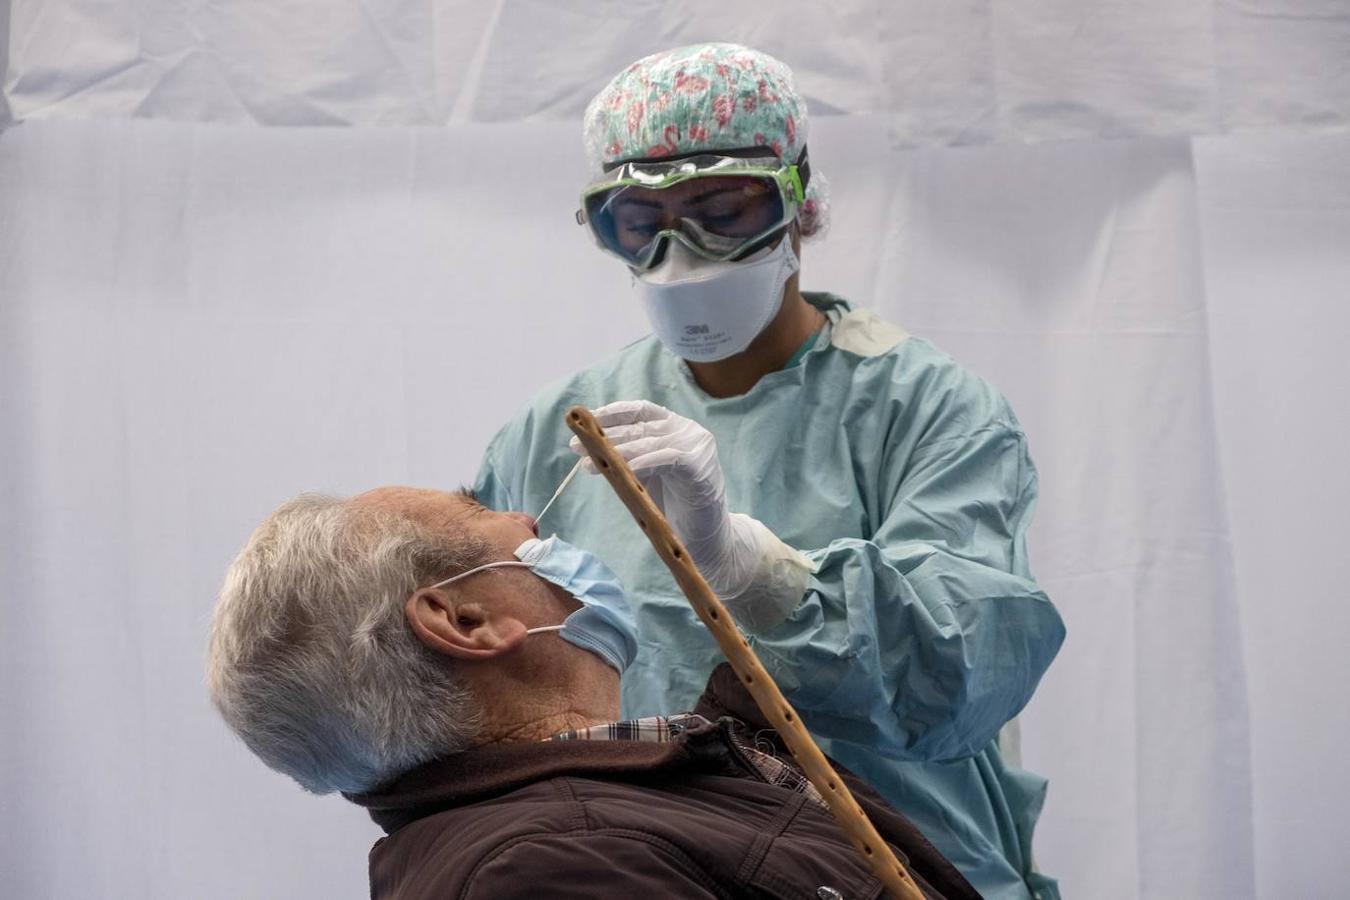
743	660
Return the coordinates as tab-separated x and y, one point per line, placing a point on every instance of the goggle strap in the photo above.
804	173
761	243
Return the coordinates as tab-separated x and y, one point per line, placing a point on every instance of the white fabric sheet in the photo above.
948	73
197	321
202	321
1071	277
1276	226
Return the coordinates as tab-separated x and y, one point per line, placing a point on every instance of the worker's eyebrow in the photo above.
469	494
713	192
642	201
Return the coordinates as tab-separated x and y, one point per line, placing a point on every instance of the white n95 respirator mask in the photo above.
704	310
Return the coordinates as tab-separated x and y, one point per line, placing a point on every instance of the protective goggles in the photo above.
720	207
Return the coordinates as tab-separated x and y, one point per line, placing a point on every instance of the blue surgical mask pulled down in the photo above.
605	624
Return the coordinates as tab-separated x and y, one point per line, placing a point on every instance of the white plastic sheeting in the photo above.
1276	228
202	321
947	72
197	321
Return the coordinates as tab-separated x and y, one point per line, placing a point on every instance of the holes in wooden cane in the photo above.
677	552
787	715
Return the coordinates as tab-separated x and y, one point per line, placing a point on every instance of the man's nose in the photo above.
527	521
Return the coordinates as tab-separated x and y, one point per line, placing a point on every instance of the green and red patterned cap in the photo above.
704	98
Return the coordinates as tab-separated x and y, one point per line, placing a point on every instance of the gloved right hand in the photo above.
675	458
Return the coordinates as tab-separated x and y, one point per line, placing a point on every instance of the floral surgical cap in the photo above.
713	97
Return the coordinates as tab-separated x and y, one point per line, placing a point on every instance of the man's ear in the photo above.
460	629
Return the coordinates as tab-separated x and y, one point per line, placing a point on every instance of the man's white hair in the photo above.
311	660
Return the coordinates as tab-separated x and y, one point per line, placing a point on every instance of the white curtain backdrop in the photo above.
200	317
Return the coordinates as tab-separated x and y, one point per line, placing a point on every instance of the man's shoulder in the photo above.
625	830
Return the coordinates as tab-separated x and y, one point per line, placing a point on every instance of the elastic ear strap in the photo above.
496	565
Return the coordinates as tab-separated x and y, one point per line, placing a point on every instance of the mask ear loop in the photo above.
495	565
503	565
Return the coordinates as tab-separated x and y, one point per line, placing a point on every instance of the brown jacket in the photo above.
689	818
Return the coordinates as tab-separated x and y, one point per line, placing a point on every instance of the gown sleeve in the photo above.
922	642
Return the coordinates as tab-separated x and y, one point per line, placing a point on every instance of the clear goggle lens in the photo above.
719	210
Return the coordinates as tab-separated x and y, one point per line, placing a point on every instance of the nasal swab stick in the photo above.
562	487
854	822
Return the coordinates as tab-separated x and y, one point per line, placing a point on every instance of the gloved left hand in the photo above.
761	578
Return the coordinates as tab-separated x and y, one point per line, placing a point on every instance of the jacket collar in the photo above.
495	769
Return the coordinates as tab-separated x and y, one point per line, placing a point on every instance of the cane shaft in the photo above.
743	659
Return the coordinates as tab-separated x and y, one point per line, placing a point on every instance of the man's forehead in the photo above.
423	504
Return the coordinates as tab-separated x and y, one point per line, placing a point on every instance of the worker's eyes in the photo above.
645	225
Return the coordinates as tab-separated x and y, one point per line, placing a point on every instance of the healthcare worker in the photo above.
858	499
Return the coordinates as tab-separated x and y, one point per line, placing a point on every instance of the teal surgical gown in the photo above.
906	480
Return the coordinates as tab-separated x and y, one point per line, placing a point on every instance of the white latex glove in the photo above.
761	578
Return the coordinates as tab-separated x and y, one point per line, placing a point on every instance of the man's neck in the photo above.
540	729
796	321
509	717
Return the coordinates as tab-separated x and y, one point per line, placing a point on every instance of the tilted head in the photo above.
339	662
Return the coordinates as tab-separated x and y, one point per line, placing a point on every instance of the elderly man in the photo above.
444	668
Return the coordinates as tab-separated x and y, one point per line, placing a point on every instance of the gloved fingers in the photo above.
648	477
587	464
694	483
647	436
650	456
622	434
576	447
657	459
663	473
628	412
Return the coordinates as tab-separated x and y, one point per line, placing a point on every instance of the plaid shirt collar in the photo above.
651	730
663	729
